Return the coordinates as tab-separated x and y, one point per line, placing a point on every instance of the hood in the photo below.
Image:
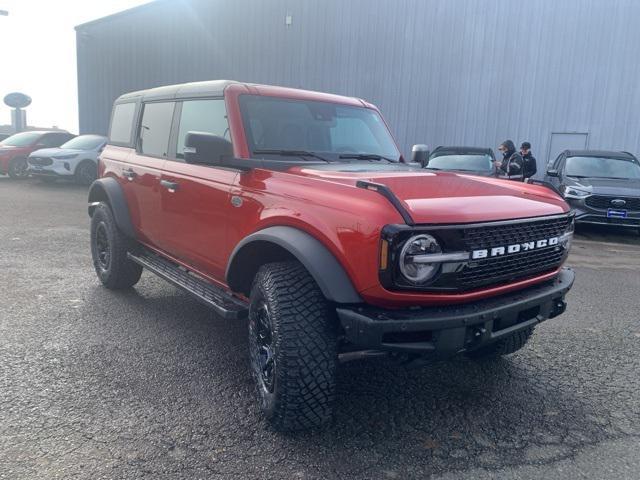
7	148
55	152
628	187
446	197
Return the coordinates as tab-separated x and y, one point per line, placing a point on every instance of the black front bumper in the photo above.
442	332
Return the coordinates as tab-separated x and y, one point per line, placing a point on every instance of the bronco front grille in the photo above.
42	161
604	202
537	246
516	266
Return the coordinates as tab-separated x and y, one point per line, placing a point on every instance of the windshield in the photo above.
21	139
330	129
601	167
471	163
84	142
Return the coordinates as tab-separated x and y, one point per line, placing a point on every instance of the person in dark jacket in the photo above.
529	166
511	164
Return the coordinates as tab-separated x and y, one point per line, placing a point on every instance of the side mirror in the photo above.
420	154
206	148
553	173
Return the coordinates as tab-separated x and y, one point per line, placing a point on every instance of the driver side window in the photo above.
208	116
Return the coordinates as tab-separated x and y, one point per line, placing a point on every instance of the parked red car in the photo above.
295	208
15	150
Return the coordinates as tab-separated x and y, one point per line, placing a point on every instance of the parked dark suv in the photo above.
603	187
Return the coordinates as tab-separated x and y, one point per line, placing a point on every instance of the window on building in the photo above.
208	116
122	123
155	128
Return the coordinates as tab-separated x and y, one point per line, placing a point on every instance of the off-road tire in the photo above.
117	271
506	346
304	347
86	172
18	168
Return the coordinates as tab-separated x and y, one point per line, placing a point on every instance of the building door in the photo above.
565	141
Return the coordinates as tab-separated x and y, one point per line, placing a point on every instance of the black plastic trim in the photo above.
316	258
110	188
456	328
387	193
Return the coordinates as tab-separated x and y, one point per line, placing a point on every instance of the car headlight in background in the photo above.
66	157
414	257
571	192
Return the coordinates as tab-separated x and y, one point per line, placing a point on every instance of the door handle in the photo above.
171	186
129	174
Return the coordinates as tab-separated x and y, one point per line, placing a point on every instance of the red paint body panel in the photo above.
7	155
199	227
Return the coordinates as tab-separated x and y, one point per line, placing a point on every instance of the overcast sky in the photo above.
38	55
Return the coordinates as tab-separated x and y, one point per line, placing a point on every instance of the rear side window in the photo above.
155	128
122	123
208	116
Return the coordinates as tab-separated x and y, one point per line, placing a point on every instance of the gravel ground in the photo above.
150	384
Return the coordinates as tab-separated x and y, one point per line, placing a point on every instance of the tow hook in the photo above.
559	306
478	332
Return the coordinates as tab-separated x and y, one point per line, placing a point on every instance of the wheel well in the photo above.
97	194
248	261
82	162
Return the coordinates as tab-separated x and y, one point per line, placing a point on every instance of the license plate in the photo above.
615	213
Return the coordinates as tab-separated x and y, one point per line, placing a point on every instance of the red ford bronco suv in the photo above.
295	209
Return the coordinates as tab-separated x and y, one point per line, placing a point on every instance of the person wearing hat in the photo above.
529	166
511	164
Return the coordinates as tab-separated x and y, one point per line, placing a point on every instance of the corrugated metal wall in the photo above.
470	72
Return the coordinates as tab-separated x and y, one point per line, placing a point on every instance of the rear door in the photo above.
196	199
141	171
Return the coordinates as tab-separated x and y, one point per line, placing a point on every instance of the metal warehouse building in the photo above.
560	74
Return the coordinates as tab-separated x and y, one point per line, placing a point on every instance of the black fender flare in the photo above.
316	258
108	190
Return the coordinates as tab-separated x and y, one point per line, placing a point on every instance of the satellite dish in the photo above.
17	100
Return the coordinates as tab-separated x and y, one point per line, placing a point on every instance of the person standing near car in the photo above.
511	164
529	166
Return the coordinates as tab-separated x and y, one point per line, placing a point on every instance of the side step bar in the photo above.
224	304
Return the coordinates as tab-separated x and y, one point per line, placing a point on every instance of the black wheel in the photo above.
507	345
292	346
109	247
18	168
86	173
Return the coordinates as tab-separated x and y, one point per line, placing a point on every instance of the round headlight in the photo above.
418	272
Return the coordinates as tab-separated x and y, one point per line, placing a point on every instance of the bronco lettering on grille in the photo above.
515	248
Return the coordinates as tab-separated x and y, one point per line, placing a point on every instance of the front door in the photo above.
196	199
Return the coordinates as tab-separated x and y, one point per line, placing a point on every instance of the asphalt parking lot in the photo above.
150	384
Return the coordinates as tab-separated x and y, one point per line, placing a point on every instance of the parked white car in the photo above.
76	159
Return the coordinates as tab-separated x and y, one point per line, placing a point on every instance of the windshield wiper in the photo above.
433	168
365	156
292	153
